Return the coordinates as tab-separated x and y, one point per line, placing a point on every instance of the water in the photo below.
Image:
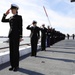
26	40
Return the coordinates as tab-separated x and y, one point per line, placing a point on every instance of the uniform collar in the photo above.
34	26
14	14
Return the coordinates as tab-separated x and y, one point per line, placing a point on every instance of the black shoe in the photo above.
10	69
35	56
32	55
15	69
44	50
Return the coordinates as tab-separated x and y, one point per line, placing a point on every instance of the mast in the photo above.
47	16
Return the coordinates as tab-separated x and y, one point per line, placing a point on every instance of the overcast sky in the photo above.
61	14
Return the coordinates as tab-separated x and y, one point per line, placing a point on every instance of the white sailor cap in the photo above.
14	6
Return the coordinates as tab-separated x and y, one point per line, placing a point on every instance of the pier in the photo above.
59	59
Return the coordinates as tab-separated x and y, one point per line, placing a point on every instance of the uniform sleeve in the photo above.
38	33
20	26
4	18
46	29
40	29
28	27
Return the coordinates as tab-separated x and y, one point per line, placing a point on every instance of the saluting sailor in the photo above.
15	35
48	36
43	37
35	35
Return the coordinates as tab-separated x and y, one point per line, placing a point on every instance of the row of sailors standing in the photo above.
49	36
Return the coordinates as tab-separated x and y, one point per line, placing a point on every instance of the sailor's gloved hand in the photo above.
7	12
21	39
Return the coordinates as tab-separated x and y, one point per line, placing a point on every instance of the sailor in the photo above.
15	35
43	37
35	35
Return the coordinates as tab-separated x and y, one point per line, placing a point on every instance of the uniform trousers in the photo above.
14	51
34	42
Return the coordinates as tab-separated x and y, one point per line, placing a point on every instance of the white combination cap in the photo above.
14	6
